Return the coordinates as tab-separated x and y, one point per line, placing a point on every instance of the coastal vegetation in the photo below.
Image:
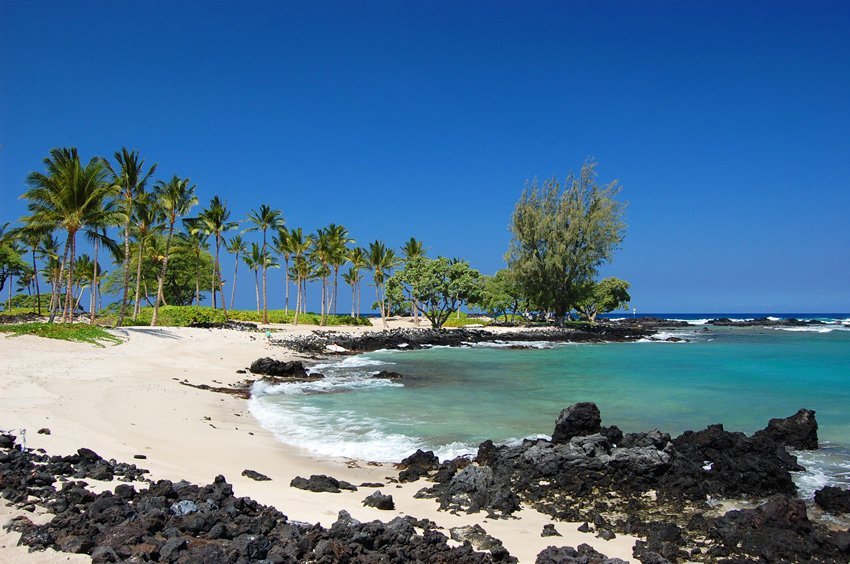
166	261
80	332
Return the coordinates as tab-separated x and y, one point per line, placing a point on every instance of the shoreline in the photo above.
127	400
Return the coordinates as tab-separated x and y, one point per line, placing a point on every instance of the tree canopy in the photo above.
436	287
601	297
562	234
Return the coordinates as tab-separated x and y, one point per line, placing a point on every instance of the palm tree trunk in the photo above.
35	277
381	305
265	301
139	277
57	282
218	273
286	285
336	288
235	272
94	284
198	282
67	314
162	273
125	294
257	290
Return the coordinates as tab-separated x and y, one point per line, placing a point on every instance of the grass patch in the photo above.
464	319
183	316
80	332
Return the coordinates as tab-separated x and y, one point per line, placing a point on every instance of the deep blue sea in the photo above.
451	399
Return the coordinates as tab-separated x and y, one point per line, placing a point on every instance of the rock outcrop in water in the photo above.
651	485
410	339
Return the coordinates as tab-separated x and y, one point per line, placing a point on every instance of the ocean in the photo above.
451	399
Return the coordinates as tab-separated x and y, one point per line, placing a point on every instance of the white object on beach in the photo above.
335	348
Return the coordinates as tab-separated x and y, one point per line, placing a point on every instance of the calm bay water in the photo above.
451	399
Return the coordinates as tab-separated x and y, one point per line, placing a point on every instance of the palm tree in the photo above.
381	261
175	198
193	243
265	218
129	178
147	218
214	221
84	278
236	247
73	197
300	246
357	258
254	261
48	249
98	236
410	251
338	242
32	238
283	244
321	254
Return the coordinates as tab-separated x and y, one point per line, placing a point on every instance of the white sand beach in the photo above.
126	399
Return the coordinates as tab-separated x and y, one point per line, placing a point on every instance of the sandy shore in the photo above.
126	399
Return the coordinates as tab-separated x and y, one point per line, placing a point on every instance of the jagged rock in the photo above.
799	431
476	536
380	501
569	555
388	375
254	475
270	367
833	499
577	420
321	483
653	438
418	464
184	507
549	531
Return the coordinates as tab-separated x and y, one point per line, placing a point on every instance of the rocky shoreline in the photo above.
337	342
665	490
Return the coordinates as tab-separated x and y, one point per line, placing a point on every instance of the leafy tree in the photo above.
129	178
265	218
353	277
175	199
321	254
193	243
499	294
436	287
72	196
12	262
601	297
562	235
301	267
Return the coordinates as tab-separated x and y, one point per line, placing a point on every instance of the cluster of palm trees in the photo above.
154	224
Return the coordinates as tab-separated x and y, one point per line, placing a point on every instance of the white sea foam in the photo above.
827	466
499	344
357	361
341	434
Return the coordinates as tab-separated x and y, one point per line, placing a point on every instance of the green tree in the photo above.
214	221
436	287
193	244
411	250
499	294
175	199
73	197
301	267
147	220
562	235
254	260
381	260
12	262
283	243
321	254
357	258
601	297
129	178
236	247
339	251
265	218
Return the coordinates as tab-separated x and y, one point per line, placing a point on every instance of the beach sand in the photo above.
127	399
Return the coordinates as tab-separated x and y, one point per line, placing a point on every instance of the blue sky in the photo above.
727	123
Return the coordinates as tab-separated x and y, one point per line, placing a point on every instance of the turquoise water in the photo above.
452	399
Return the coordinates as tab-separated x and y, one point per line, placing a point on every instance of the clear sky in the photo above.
728	124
